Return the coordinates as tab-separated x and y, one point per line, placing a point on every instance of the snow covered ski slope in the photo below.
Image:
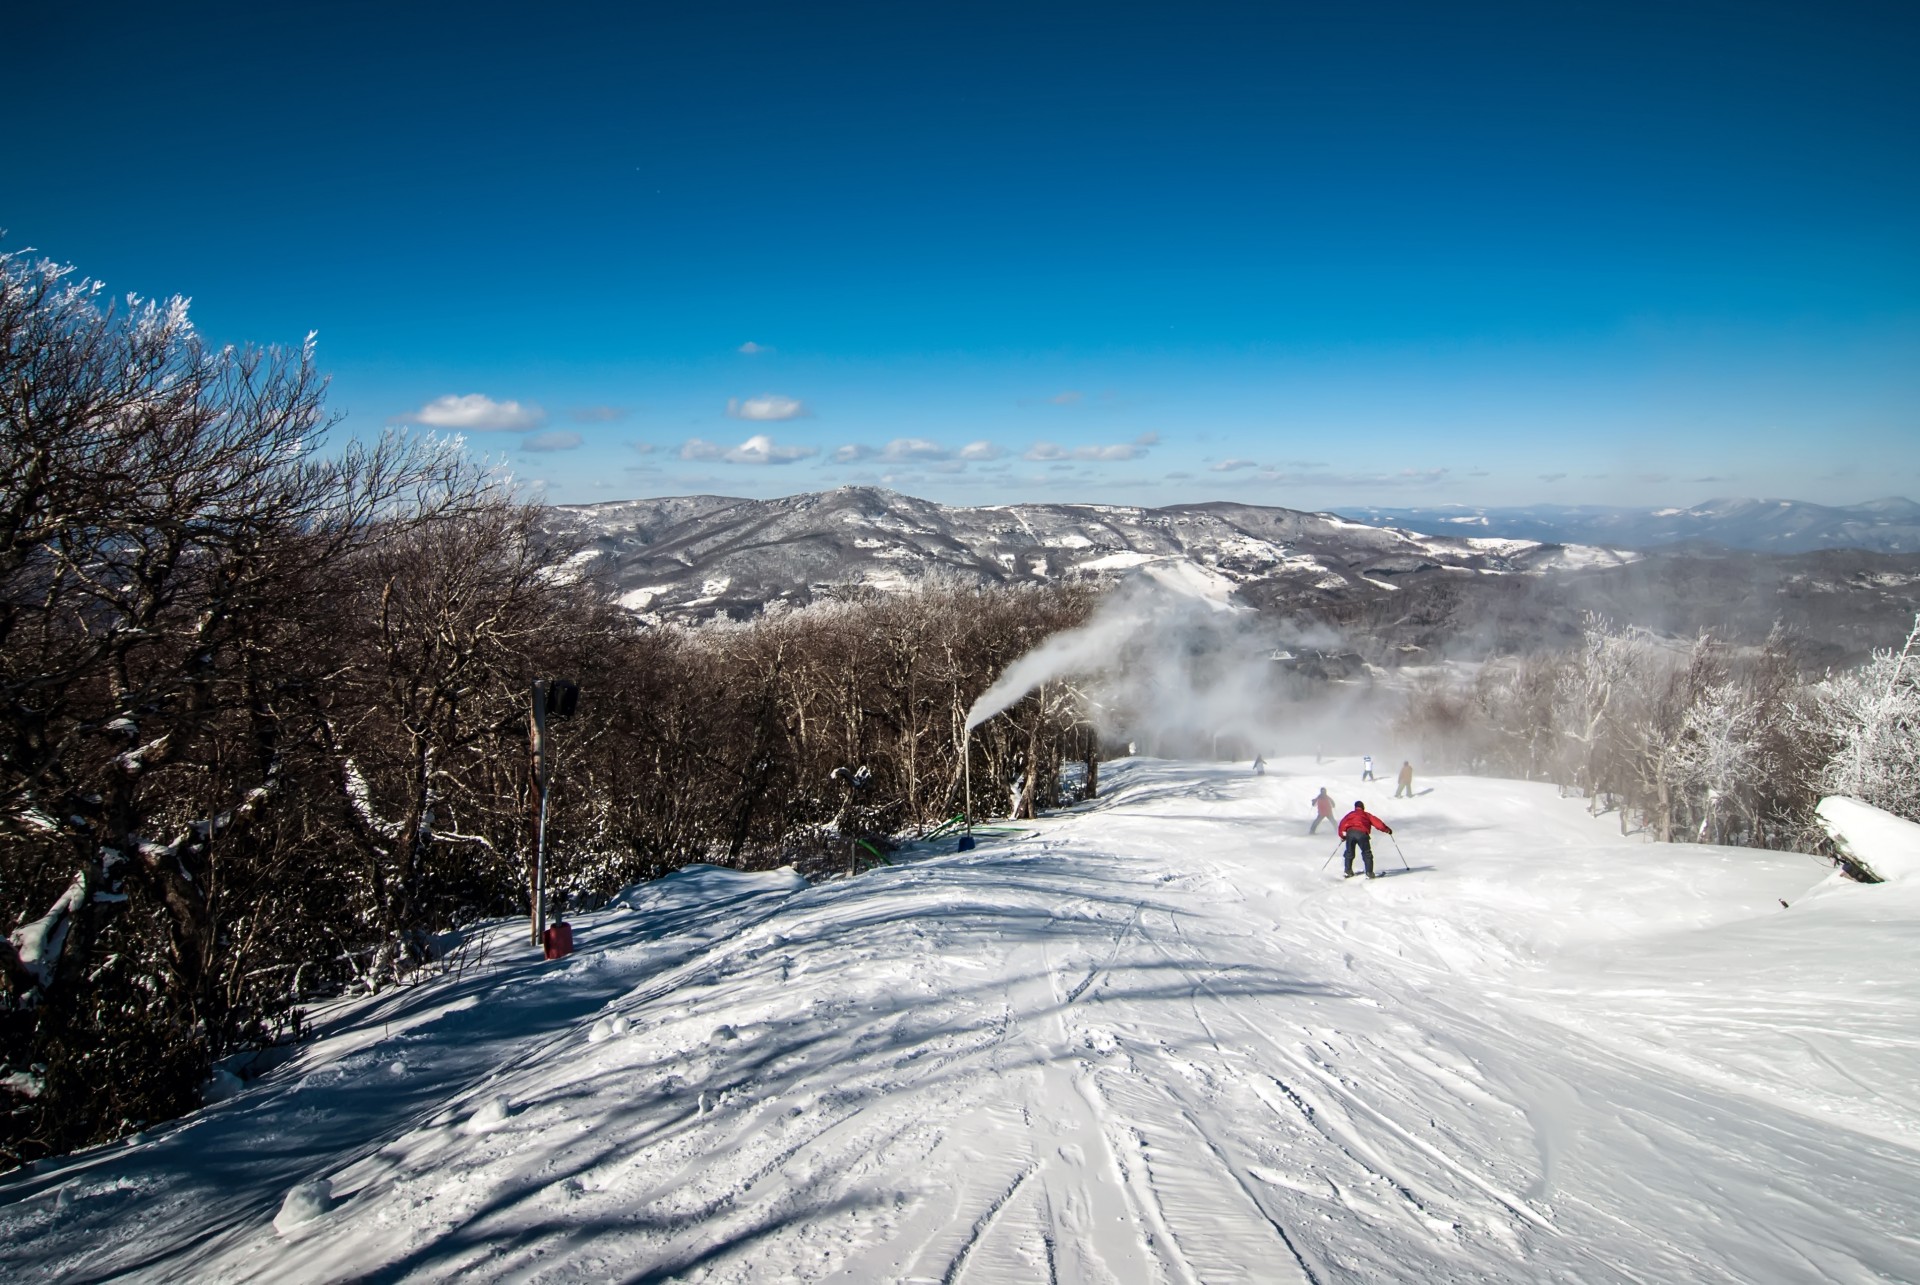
1152	1040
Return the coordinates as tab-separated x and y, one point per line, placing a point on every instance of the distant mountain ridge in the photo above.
1890	525
694	557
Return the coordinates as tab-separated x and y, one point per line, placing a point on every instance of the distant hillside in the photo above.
703	556
1890	525
1396	596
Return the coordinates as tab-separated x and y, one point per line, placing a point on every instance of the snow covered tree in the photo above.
1715	758
168	534
1593	700
1871	719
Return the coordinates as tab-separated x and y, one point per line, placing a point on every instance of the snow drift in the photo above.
1886	845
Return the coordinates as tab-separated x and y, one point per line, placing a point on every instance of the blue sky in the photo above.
1309	255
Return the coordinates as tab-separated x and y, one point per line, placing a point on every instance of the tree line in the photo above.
266	711
1696	742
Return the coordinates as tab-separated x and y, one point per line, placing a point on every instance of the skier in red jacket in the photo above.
1356	828
1322	809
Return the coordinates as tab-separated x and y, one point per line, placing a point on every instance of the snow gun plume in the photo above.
1167	657
1080	650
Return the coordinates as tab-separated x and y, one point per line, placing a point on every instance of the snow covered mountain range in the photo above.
701	556
1890	525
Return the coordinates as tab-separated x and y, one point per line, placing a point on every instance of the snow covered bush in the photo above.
1870	718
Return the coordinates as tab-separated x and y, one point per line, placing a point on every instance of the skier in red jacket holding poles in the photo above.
1357	827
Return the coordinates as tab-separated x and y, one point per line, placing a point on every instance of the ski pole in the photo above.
1332	855
1396	852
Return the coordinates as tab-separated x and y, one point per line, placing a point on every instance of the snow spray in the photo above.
1097	645
1168	658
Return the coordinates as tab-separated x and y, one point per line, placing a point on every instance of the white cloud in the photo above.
1231	466
766	406
597	414
1271	475
551	441
1067	398
476	413
915	448
761	449
752	349
1148	438
920	450
1043	451
758	449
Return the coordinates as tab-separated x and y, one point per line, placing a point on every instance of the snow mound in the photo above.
608	1028
710	881
1882	842
220	1086
493	1113
303	1204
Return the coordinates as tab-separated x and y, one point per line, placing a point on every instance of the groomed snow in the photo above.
1154	1038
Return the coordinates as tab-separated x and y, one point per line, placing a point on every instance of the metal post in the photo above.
537	733
966	770
540	875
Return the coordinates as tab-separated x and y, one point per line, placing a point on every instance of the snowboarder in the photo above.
1366	767
1405	790
1356	828
1323	810
1259	765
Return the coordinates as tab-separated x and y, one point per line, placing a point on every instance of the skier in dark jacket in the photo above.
1323	810
1405	788
1356	828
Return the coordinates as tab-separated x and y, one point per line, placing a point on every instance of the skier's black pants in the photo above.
1315	827
1362	840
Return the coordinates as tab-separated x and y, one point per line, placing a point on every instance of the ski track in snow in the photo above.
1152	1038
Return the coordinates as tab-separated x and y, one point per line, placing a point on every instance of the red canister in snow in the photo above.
558	940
